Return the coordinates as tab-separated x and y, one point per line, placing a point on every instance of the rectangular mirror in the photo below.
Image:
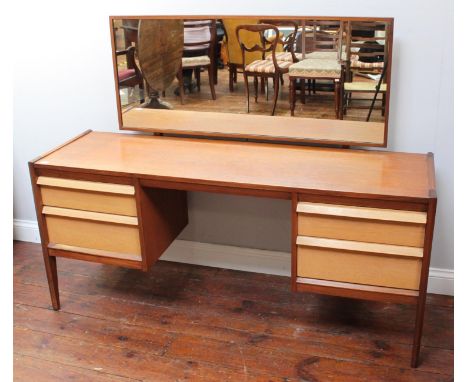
288	79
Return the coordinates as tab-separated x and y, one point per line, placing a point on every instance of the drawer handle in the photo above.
362	212
84	185
347	245
88	215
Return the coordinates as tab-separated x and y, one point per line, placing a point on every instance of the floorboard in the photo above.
186	322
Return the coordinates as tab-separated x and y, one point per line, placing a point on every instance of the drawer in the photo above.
359	263
93	233
88	196
374	225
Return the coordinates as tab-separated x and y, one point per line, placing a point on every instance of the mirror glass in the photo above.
311	68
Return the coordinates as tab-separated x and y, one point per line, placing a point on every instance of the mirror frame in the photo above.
281	137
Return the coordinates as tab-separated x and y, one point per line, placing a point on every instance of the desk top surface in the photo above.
249	165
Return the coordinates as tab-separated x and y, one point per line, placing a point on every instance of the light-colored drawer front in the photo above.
89	200
104	236
358	267
372	231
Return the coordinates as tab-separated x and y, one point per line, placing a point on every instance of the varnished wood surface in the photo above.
88	201
347	245
250	126
248	165
362	212
183	322
358	267
371	231
86	186
94	235
368	288
88	215
160	45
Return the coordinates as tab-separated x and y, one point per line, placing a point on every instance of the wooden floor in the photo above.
320	105
184	322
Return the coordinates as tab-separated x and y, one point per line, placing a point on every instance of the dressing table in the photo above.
362	220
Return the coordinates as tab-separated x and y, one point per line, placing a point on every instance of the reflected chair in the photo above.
367	51
286	44
375	88
196	63
262	68
366	47
130	76
322	40
234	53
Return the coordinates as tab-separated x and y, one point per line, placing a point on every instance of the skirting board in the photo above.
441	281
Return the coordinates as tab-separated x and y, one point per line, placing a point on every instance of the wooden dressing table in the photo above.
362	221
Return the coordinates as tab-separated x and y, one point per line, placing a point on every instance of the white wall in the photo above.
64	85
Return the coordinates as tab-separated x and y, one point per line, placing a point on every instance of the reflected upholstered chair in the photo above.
285	50
130	76
234	52
206	61
313	69
261	68
367	49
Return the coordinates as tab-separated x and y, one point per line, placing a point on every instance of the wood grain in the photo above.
89	201
163	214
348	245
250	126
248	165
93	234
372	231
159	48
358	268
202	318
86	186
89	215
362	212
95	252
369	288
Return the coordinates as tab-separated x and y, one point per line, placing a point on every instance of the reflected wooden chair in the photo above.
287	43
322	40
206	61
131	76
312	69
262	68
234	53
374	88
366	47
367	53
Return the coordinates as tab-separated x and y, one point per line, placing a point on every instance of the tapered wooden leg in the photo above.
337	99
197	76
262	86
50	263
421	305
246	82
211	80
231	78
256	88
282	79
418	331
303	91
292	95
181	85
276	82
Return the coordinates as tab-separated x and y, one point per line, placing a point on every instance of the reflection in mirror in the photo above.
309	68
